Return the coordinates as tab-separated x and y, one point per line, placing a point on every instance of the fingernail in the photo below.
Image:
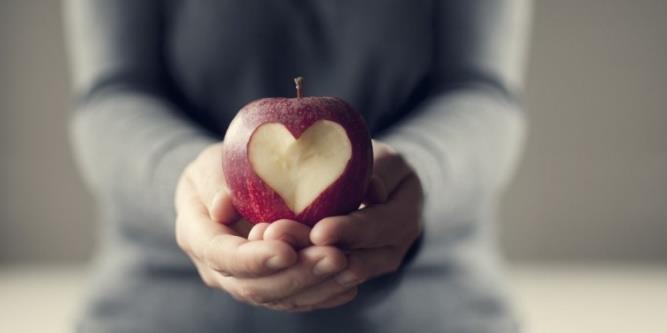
276	262
347	278
324	267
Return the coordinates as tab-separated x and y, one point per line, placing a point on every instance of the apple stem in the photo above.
298	81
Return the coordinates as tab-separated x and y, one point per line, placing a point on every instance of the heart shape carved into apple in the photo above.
299	169
303	158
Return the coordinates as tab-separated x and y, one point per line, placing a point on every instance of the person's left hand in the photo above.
376	237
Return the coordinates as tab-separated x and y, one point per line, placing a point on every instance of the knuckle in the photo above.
205	252
393	262
208	280
348	298
282	306
182	242
338	258
236	296
391	159
408	226
353	292
293	284
414	231
395	158
417	232
248	293
394	265
203	154
288	305
347	295
232	289
382	147
361	276
190	170
355	219
210	151
205	275
335	235
252	266
260	298
253	295
358	273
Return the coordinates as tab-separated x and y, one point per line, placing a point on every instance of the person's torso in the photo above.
222	54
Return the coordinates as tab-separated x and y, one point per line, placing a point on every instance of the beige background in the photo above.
592	184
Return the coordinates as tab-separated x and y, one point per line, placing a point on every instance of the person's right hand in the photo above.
248	262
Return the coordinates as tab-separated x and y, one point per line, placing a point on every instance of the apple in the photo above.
302	158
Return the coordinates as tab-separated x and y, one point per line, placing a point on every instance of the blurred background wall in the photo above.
592	183
45	214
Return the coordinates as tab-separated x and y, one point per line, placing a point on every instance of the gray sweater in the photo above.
157	81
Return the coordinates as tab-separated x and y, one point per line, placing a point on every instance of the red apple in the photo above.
302	158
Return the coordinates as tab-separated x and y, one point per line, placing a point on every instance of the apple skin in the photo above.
254	199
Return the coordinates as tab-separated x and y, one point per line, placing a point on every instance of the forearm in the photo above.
132	148
466	136
131	141
464	144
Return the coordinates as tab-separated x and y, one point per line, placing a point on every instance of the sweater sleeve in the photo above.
464	139
132	142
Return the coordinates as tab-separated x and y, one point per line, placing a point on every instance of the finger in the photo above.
221	209
239	257
292	232
364	265
207	275
209	181
315	265
375	226
376	192
241	227
209	178
338	300
364	228
222	249
193	225
334	300
389	170
317	294
257	231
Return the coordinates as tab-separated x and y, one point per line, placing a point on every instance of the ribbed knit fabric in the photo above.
158	80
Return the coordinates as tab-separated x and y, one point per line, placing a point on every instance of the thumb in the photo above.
376	192
389	170
221	208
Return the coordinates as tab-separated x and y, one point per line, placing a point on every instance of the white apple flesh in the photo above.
299	170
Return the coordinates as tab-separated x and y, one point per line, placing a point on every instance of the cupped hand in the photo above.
375	238
378	236
274	265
